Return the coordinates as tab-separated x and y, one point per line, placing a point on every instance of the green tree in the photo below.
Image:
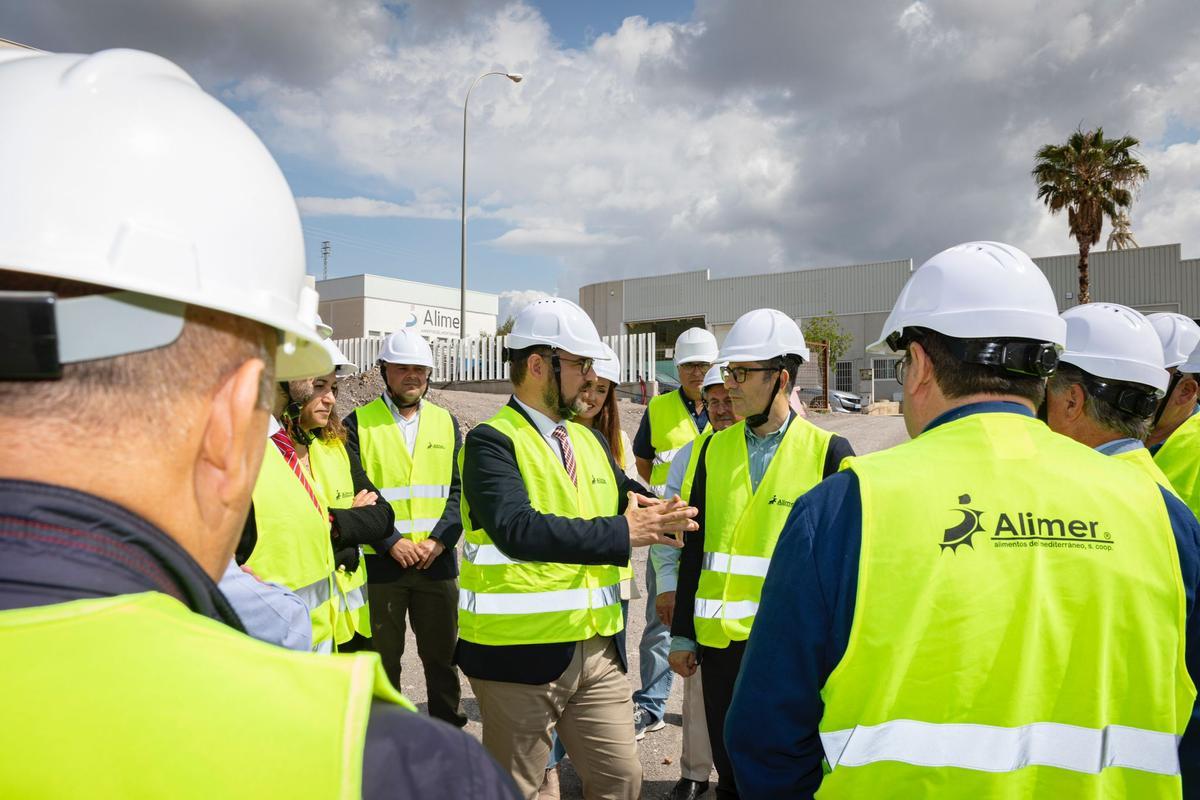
505	327
826	328
1092	178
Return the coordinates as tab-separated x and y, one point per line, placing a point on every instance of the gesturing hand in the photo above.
652	520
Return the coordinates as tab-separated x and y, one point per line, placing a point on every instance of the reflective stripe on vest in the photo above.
996	749
183	693
1018	624
742	524
417	484
505	601
539	602
1179	459
689	473
331	468
293	546
1142	460
671	427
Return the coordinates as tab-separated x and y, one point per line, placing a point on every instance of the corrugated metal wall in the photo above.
1142	277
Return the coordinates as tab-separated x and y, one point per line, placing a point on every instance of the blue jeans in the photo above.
653	651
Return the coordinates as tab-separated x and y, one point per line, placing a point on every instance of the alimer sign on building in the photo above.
374	305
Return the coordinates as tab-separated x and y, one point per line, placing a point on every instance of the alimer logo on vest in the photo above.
1025	529
776	500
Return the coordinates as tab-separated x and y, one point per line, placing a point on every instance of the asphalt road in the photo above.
660	750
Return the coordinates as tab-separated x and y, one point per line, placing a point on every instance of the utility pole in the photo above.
325	250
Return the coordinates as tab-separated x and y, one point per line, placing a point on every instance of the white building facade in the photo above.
374	305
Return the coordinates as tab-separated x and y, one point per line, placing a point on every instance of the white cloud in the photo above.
756	136
367	207
513	300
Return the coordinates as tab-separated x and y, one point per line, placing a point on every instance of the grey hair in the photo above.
1099	410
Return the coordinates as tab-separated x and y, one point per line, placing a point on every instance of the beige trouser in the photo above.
696	761
591	705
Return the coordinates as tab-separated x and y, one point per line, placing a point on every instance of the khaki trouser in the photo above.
696	763
592	707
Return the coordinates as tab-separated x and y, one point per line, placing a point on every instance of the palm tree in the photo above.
1092	178
1120	237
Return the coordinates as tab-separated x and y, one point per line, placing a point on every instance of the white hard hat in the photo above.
323	330
559	323
1115	342
713	376
609	367
695	345
406	346
1179	337
977	290
342	366
763	334
119	170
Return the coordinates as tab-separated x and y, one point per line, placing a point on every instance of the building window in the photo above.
885	369
843	376
373	333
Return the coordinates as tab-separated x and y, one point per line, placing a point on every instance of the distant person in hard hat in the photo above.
988	610
1175	440
550	522
358	516
408	447
146	314
695	761
671	421
1109	382
746	479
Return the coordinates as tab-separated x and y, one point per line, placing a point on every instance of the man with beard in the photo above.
408	447
549	520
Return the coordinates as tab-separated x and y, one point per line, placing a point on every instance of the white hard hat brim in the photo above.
583	350
969	324
1120	369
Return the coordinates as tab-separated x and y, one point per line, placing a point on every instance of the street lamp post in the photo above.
515	77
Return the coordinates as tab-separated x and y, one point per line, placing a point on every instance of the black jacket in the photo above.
59	545
500	504
382	568
690	560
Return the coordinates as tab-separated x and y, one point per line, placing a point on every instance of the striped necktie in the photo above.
568	455
288	450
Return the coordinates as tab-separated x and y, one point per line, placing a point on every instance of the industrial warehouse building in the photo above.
861	295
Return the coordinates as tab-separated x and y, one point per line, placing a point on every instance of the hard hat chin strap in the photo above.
1176	377
564	410
755	420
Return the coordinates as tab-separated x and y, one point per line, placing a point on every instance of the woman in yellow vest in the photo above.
358	518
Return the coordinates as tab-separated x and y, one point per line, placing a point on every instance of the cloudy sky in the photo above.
736	135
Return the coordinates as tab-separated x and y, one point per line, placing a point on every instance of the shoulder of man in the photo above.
411	755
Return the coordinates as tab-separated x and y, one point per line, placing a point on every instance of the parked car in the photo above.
839	401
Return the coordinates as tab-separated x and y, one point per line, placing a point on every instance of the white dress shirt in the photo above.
407	426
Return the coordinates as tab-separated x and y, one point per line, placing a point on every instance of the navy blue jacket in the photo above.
59	545
803	626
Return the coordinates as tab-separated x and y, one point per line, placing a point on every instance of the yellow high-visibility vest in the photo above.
415	485
1018	628
504	601
671	427
331	468
175	705
293	547
742	524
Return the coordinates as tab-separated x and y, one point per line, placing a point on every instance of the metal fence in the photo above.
481	358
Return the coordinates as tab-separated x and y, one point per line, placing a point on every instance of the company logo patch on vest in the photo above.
1021	529
435	446
776	500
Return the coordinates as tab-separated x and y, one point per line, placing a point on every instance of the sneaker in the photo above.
644	722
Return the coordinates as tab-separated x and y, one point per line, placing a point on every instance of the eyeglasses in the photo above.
901	368
695	367
739	373
585	364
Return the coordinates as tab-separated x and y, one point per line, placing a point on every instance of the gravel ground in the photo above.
659	750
